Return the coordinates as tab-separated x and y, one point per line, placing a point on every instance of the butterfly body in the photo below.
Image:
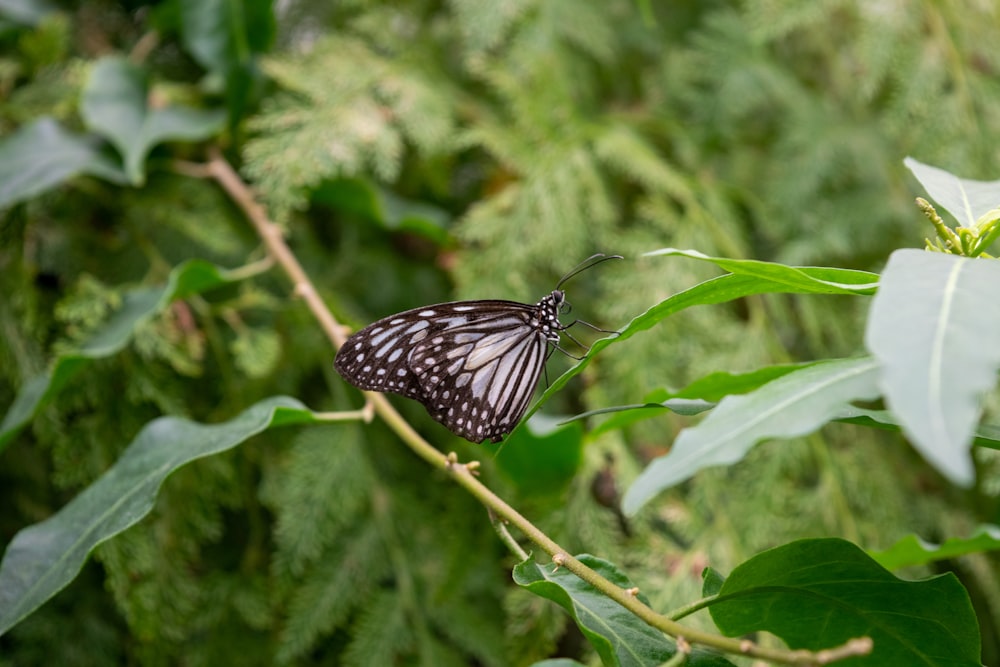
473	364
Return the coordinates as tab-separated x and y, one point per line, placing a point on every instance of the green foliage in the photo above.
779	588
420	151
347	110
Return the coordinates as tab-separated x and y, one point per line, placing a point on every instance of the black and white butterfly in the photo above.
473	364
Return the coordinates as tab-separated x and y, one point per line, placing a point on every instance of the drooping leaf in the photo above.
380	205
42	559
795	404
221	35
985	435
798	280
911	550
618	636
818	594
114	104
697	397
138	305
965	199
224	38
42	155
933	327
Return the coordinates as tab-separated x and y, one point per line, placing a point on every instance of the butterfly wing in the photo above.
473	364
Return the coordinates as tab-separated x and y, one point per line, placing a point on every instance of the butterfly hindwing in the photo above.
473	364
478	378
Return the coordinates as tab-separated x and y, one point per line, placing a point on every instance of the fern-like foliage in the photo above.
538	132
347	110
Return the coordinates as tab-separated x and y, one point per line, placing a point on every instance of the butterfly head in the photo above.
549	309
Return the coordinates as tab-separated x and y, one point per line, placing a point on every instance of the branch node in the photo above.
559	559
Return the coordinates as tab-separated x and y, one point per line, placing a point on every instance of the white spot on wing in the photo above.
417	326
385	348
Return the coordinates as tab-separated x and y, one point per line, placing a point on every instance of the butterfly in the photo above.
473	364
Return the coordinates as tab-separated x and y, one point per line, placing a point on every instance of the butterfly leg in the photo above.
591	326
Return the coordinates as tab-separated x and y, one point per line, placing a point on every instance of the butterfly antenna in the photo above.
588	263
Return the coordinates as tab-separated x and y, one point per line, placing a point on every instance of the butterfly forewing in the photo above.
473	364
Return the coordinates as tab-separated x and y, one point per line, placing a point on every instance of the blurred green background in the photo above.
418	152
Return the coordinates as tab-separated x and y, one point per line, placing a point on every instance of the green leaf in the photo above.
626	415
225	37
211	32
965	199
985	435
817	594
753	279
42	559
138	305
543	458
42	155
25	12
380	205
618	636
114	104
804	280
711	581
795	404
714	291
933	326
699	396
911	550
716	386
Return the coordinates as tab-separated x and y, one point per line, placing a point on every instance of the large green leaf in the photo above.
792	405
965	199
114	104
138	305
911	550
42	155
42	559
933	327
618	636
817	594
